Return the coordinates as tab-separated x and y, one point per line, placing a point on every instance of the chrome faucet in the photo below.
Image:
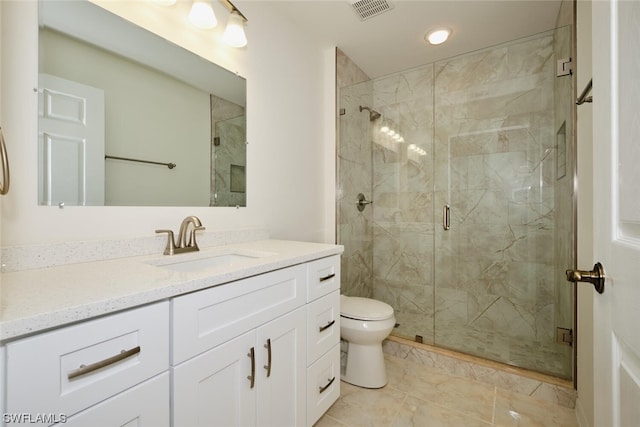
189	226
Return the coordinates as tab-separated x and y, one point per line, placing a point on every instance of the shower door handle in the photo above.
446	217
595	277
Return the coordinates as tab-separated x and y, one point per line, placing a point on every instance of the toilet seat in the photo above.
364	308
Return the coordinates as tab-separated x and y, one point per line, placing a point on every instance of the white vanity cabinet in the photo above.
258	351
109	365
239	352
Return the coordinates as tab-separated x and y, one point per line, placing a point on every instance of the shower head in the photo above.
373	114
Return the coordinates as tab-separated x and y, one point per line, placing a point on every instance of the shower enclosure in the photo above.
468	163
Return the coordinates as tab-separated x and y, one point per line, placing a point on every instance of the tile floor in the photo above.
418	395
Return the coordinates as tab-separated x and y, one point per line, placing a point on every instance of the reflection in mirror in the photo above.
119	106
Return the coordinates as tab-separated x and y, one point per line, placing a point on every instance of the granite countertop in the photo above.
36	300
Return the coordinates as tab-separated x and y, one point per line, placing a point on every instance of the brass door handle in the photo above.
595	277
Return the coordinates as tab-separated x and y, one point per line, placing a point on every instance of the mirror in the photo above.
127	118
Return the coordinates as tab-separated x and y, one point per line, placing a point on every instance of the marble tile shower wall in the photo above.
228	124
485	287
230	163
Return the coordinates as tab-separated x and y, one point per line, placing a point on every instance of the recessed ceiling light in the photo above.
438	36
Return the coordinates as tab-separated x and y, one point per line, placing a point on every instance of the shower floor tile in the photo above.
419	396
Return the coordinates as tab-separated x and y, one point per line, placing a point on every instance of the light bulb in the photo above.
202	15
234	33
438	36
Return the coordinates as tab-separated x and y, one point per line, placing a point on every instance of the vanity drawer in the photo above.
204	319
323	276
323	325
323	384
147	404
71	368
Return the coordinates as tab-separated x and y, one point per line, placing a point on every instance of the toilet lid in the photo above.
364	308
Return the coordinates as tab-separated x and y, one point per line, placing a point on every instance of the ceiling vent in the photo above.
366	9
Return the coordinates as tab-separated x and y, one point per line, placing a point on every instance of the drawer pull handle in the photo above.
330	276
85	369
4	160
252	377
268	365
322	389
327	326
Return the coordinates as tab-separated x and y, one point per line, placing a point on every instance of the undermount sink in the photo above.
202	261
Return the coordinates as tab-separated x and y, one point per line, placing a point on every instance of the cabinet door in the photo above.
282	388
215	388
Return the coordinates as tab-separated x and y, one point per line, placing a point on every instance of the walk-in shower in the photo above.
468	163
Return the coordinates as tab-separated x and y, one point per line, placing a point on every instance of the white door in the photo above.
616	138
283	372
70	142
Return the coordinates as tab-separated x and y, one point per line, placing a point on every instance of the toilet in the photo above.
364	324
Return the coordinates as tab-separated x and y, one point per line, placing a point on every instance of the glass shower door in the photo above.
403	222
497	185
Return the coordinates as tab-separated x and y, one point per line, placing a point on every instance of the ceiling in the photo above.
394	40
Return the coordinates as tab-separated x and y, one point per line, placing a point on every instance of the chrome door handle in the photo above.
595	277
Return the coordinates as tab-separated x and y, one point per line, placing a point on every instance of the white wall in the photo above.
290	132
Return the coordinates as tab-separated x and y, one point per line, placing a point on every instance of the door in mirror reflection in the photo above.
70	142
163	105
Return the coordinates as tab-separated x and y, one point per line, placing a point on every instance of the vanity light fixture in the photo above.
202	15
234	33
438	36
